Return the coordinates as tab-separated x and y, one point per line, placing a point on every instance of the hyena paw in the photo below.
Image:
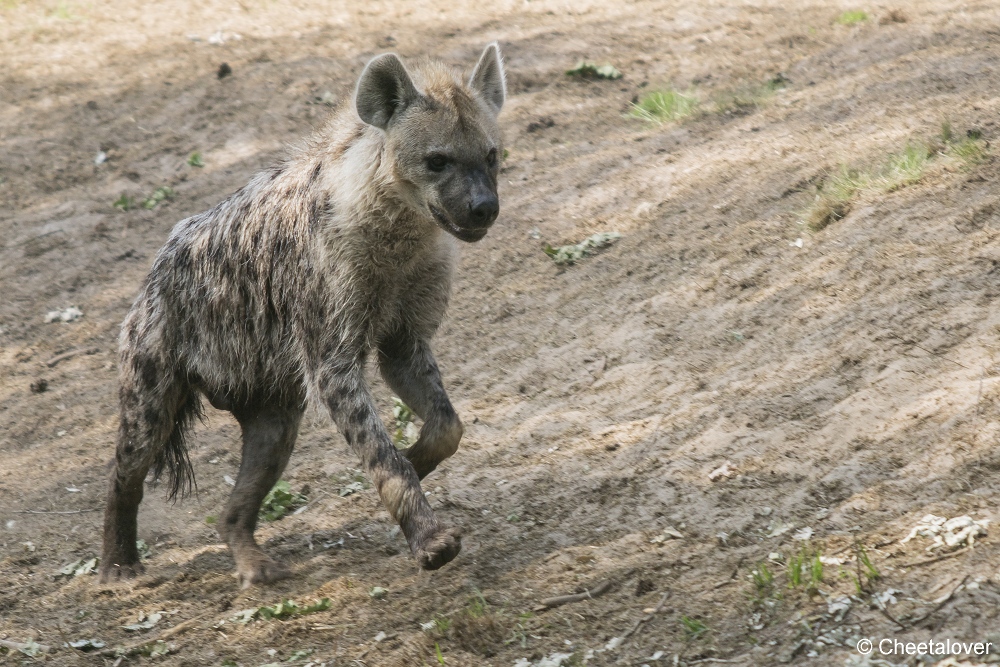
438	548
262	571
112	572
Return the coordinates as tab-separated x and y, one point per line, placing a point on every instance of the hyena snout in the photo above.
484	207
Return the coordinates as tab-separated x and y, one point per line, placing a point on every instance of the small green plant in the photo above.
661	106
588	70
795	571
124	202
210	519
763	580
867	573
279	501
805	569
195	160
693	628
160	194
570	254
852	17
815	572
437	653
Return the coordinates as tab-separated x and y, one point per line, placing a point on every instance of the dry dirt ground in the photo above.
850	380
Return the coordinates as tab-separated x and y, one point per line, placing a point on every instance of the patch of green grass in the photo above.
693	628
805	569
763	580
195	160
839	190
852	17
833	201
662	106
970	151
902	169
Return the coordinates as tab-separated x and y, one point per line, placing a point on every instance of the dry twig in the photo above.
72	353
559	600
928	561
943	602
136	647
647	617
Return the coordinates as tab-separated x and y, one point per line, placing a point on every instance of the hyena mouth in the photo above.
461	233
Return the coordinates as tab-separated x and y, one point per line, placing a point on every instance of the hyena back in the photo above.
277	296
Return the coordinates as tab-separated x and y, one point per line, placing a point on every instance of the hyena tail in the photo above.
173	455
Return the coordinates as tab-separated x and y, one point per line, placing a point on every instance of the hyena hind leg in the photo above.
268	438
154	418
408	367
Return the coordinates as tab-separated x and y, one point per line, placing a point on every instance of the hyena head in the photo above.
442	137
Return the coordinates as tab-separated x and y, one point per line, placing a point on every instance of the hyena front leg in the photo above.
408	367
268	438
353	410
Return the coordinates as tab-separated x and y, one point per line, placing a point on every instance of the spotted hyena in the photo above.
276	298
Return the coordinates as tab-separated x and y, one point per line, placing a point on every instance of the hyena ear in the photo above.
384	90
489	79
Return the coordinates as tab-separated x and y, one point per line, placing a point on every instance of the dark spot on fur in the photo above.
358	416
151	415
316	210
348	438
128	449
277	171
315	173
145	369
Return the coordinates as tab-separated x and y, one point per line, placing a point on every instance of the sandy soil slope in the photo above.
850	380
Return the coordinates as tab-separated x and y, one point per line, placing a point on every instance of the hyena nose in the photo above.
483	210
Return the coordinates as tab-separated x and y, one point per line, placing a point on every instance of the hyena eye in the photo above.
437	162
491	157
